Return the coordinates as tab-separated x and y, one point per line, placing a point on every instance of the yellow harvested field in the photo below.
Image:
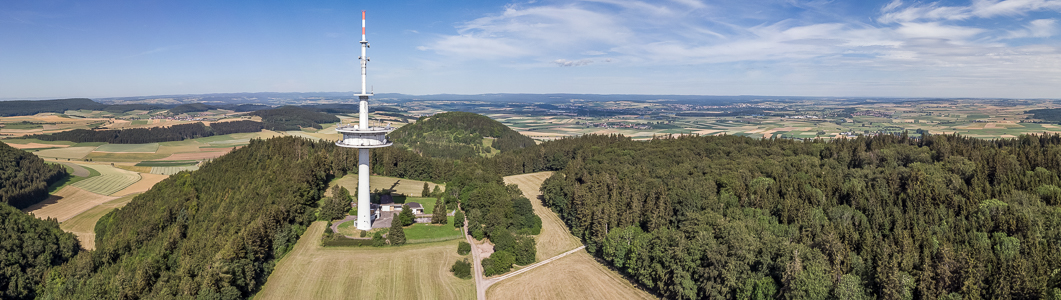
147	180
37	145
84	224
576	276
134	168
555	238
67	203
408	187
67	153
419	271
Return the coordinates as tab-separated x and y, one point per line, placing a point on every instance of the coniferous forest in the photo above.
24	177
944	217
293	118
152	135
28	248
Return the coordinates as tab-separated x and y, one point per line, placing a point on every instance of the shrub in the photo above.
463	248
364	233
377	240
458	219
498	263
462	269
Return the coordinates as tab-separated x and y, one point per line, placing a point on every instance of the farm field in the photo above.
415	271
66	203
135	148
83	225
576	276
172	170
554	238
65	153
403	186
147	180
110	181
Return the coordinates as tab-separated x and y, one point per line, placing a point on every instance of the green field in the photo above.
172	170
419	271
71	179
139	148
110	181
422	233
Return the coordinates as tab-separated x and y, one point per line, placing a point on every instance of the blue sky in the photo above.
976	48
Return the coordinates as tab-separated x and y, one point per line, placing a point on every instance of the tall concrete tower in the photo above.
363	136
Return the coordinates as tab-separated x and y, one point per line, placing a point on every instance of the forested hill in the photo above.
458	135
24	177
32	107
29	247
215	233
887	217
178	132
293	118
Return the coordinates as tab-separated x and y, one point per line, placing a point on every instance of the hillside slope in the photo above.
24	177
458	135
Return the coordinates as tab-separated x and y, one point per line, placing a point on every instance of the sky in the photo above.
891	48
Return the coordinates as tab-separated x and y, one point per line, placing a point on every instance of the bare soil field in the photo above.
419	271
555	238
66	203
83	225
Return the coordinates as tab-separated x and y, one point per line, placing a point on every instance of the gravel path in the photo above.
335	225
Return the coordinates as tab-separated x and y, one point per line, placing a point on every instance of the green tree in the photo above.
458	219
426	192
406	216
438	216
463	248
396	235
462	269
437	192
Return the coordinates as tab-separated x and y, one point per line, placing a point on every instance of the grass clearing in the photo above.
422	233
417	271
555	238
83	225
576	276
69	180
129	148
110	181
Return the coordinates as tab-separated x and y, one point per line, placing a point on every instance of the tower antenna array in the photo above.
363	136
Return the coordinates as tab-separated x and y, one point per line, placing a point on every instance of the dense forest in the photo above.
28	248
215	233
293	118
24	177
943	217
189	108
32	107
152	135
1049	114
458	135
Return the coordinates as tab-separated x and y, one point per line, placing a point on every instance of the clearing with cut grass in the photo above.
575	276
554	238
66	203
172	170
110	181
419	271
83	225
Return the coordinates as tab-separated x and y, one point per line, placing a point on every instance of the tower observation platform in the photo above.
364	137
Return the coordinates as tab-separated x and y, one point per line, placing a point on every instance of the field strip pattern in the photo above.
532	266
172	170
110	181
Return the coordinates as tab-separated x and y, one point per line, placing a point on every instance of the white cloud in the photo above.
1041	28
575	63
937	31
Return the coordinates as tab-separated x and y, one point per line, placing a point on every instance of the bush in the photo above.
462	269
364	233
463	248
498	263
377	240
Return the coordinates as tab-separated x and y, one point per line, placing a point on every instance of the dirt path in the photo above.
477	267
491	281
335	225
79	171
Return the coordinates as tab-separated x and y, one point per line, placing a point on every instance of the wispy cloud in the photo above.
569	63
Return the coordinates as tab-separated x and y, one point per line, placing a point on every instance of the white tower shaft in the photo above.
364	212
